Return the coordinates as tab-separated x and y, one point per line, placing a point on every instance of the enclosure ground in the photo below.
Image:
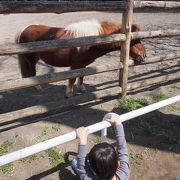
153	139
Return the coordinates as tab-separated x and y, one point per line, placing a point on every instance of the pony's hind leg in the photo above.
27	64
80	85
69	89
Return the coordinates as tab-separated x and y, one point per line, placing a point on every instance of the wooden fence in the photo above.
33	7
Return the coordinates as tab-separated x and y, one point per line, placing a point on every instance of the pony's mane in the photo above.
84	28
110	27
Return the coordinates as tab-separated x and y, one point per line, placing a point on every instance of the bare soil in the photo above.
153	139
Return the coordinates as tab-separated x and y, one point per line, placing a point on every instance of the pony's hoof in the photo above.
39	88
68	95
81	88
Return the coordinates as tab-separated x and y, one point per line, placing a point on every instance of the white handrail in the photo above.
8	158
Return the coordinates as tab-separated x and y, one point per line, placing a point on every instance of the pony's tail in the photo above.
26	61
17	37
21	59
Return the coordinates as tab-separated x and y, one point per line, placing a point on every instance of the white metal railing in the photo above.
8	158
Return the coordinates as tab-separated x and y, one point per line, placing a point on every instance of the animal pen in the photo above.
60	7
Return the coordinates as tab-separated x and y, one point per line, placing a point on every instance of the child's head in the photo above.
103	159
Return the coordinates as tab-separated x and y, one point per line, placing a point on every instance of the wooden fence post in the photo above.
124	57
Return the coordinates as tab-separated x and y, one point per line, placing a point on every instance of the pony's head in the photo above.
137	49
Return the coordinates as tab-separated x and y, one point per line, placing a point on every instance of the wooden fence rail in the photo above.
54	77
60	7
89	96
60	76
157	4
68	6
61	43
39	46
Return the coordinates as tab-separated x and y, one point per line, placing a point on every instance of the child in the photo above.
102	162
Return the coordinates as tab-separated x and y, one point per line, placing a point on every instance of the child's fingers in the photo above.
110	120
87	131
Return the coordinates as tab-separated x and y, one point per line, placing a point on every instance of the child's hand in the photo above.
113	121
82	135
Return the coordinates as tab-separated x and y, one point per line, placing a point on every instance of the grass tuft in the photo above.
31	158
171	140
159	96
56	127
55	157
137	158
146	127
6	168
175	86
97	140
130	104
4	149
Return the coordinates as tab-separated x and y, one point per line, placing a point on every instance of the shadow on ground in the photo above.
156	130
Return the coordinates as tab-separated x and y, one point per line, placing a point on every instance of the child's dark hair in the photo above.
103	160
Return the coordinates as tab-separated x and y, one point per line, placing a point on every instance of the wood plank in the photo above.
157	4
124	56
61	43
153	34
59	7
40	46
53	77
89	96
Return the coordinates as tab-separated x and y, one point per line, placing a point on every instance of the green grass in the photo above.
175	86
146	127
55	157
4	149
171	140
6	168
159	96
97	140
44	134
137	158
130	104
56	127
31	158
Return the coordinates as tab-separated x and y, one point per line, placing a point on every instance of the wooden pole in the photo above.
124	56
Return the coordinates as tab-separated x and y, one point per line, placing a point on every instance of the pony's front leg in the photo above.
69	88
80	85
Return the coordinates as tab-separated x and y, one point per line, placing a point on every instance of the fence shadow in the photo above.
64	172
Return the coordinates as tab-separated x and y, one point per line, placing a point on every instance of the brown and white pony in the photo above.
73	57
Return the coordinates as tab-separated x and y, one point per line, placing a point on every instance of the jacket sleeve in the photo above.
123	170
82	168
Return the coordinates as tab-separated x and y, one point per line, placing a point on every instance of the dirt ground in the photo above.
153	139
